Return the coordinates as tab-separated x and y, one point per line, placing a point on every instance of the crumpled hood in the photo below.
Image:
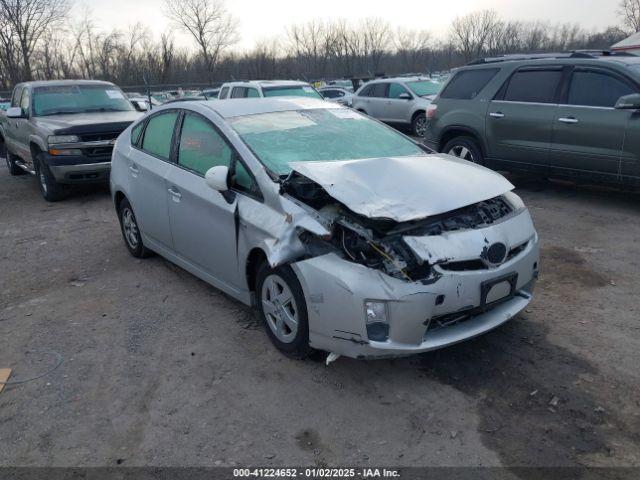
405	188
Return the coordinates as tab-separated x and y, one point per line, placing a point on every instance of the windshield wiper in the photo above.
59	112
105	109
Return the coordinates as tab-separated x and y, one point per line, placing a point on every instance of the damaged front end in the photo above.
381	287
384	244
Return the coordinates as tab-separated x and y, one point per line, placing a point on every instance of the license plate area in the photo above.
498	290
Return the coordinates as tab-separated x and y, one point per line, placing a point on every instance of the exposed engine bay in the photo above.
379	243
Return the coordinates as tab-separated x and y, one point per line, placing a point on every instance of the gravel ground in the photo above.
161	369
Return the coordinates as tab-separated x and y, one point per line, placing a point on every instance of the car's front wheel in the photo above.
51	190
282	307
131	231
465	148
419	124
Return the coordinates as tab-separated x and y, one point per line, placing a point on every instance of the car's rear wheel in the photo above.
283	309
131	231
465	148
419	124
11	162
51	190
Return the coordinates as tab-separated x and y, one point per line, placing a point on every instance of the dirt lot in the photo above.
161	369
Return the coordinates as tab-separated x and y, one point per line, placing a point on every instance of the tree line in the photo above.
40	40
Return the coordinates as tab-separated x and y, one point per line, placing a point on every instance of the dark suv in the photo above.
571	115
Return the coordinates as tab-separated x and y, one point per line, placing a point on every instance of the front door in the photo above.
589	133
398	110
519	121
202	220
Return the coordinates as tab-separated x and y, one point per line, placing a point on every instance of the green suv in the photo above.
574	115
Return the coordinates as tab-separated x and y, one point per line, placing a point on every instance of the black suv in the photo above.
573	115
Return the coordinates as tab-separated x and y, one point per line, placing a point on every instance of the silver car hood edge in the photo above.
405	188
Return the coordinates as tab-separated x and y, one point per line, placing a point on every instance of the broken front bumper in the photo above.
336	291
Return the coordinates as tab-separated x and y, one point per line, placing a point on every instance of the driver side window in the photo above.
201	146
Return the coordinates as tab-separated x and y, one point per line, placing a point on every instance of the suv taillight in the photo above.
432	110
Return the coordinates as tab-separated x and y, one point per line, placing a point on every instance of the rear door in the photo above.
149	164
377	106
520	118
589	133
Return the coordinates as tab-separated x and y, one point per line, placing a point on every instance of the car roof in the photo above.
270	83
62	83
251	106
400	79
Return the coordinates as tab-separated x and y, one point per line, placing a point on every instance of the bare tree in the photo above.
210	25
629	12
28	20
471	33
376	37
413	48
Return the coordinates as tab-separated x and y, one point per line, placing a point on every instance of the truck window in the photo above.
17	94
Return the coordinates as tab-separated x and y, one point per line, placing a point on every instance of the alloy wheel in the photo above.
130	228
280	309
462	152
421	126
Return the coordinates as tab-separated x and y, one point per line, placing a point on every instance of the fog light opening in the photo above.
377	320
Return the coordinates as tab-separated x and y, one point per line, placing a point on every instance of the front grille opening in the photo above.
478	264
98	137
98	152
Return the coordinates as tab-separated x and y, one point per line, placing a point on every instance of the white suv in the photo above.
267	88
402	100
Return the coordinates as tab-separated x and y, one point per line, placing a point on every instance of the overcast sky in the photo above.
260	19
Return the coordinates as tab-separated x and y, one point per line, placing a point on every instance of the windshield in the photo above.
294	91
56	100
318	135
424	87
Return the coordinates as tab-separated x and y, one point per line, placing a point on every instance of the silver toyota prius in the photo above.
347	236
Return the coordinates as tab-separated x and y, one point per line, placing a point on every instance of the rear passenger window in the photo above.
596	89
466	85
239	92
533	86
135	133
379	90
201	146
159	133
366	91
252	93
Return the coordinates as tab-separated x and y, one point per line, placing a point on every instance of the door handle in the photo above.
133	168
496	115
569	120
175	193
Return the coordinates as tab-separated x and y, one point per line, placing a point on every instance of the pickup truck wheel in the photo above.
419	124
282	307
11	164
465	148
51	190
131	231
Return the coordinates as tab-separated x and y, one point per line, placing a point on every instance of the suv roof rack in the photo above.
542	56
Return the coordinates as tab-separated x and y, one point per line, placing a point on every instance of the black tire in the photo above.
459	145
51	190
298	347
419	124
10	158
131	236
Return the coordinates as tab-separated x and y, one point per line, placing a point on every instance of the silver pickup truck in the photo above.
63	132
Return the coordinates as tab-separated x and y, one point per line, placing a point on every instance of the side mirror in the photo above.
216	178
405	96
15	112
629	102
140	105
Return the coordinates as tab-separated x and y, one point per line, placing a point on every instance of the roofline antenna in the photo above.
145	78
